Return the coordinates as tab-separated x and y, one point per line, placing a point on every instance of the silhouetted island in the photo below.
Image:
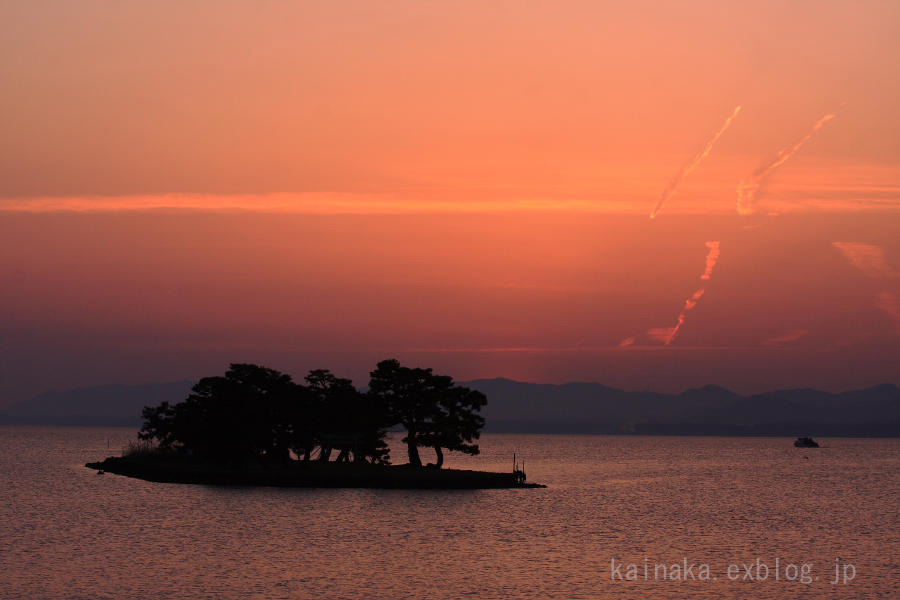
256	426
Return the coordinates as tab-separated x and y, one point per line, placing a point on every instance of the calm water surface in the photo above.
66	532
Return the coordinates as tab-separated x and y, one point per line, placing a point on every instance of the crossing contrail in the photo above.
692	164
747	188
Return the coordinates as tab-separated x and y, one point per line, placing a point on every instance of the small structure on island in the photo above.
518	471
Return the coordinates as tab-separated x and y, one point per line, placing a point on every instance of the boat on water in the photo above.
805	442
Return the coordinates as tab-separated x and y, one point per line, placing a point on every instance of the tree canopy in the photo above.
257	413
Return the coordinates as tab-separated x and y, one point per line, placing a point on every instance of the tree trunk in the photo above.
325	455
306	454
413	450
440	457
344	455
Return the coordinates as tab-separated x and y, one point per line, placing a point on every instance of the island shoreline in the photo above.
307	475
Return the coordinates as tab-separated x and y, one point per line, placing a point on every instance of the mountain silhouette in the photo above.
97	405
711	410
520	407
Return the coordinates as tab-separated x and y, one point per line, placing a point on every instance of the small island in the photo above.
256	426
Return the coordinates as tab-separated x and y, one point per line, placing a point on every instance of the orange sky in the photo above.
462	185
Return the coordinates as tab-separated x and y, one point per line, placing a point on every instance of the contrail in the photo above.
747	188
711	257
667	334
692	164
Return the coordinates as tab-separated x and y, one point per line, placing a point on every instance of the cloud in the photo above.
318	203
791	336
325	203
890	304
868	258
814	184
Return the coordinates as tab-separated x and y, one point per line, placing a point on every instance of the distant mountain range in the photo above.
515	406
594	408
99	405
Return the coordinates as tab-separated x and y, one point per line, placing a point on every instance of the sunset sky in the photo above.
465	185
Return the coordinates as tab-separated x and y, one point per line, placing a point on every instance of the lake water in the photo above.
66	532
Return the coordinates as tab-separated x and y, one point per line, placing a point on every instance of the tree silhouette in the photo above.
329	393
266	399
433	410
457	423
245	413
406	393
348	421
260	414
